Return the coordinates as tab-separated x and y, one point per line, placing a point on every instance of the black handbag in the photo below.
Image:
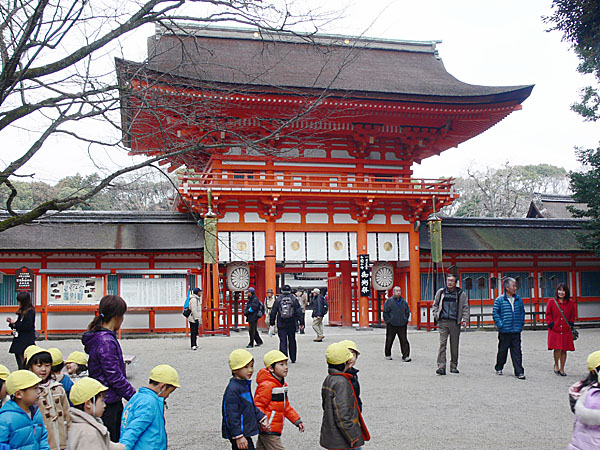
574	332
186	312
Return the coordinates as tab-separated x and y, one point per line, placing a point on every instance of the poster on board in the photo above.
75	290
153	291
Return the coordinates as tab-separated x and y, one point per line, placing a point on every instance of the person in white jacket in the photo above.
195	318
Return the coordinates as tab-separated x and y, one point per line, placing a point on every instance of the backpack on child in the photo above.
286	307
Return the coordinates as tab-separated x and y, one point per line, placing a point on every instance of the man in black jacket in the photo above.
319	311
395	314
286	313
251	311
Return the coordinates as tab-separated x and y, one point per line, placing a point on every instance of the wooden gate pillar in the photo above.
361	247
346	269
270	254
414	294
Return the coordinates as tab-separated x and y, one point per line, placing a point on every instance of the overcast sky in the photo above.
486	43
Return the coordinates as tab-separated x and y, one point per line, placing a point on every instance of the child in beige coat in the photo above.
87	431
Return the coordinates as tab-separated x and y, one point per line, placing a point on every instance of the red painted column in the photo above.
361	247
414	294
346	269
270	254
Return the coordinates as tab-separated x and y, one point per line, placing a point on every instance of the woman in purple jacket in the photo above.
105	362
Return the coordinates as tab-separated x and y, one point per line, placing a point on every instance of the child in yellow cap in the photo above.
21	424
87	431
241	417
57	366
77	365
143	420
53	401
271	397
4	373
351	345
342	426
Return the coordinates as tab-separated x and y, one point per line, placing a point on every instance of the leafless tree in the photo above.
57	74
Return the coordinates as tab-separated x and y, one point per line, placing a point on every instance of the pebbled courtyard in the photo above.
406	405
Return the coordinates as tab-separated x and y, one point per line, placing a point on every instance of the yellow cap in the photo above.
274	356
78	358
338	353
33	350
21	379
4	372
85	389
57	356
350	345
593	360
164	373
239	358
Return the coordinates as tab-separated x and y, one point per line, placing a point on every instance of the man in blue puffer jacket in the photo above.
509	316
143	422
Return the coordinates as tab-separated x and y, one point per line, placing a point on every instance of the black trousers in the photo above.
250	444
510	341
194	333
287	341
112	419
20	357
253	332
390	334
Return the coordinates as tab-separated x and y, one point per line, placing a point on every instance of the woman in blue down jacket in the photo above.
105	362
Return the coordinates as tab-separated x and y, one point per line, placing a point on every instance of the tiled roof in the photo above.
506	235
553	207
106	231
365	67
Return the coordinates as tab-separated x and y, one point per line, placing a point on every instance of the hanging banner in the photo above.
364	275
210	240
435	237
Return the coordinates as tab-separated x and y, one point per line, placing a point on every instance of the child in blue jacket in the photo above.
241	417
143	420
21	424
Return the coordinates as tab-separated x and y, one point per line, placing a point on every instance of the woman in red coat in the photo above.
560	338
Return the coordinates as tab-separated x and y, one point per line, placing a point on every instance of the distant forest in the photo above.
144	192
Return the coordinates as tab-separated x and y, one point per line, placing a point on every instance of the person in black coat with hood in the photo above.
253	311
23	328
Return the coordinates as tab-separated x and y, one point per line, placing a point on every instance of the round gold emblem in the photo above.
242	246
388	246
295	245
338	245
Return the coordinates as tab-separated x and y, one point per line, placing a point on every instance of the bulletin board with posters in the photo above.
154	291
75	290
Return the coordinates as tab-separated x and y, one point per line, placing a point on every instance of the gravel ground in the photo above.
405	404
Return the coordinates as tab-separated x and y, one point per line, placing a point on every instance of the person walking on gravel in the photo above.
396	313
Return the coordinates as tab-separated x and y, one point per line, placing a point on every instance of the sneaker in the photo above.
498	372
258	345
454	371
195	347
388	357
407	359
249	346
521	376
319	339
441	371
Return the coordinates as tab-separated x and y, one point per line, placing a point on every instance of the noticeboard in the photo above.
24	280
75	290
364	275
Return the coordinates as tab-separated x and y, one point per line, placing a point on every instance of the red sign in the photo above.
24	280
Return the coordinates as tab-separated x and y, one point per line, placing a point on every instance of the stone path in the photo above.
406	406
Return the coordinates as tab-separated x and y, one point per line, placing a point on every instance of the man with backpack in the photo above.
320	308
253	311
286	313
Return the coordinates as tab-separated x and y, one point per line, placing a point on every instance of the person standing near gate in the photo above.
286	314
269	302
396	313
195	317
509	316
253	311
319	310
450	312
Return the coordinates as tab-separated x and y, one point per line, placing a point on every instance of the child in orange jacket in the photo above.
271	397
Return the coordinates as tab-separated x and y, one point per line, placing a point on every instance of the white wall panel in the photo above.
338	246
316	249
294	246
241	245
403	247
69	321
259	246
169	320
371	246
387	246
279	246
